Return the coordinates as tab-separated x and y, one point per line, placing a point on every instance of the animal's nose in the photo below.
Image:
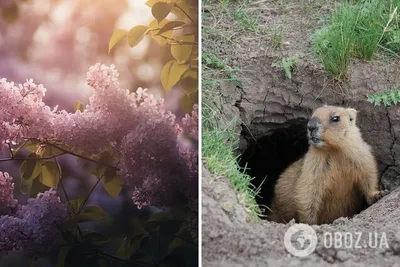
312	125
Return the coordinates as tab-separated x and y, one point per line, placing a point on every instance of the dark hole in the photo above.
270	155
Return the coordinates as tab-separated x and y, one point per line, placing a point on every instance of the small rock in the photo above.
228	207
253	54
331	252
329	259
342	255
340	221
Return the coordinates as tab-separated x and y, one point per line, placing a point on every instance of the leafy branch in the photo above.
181	35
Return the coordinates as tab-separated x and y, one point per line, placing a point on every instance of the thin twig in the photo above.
186	14
43	158
11	153
67	198
91	191
79	156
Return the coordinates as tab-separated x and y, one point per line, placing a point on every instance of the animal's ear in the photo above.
352	115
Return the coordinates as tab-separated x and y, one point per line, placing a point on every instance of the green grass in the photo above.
219	140
216	70
387	98
358	29
246	20
287	65
218	144
276	36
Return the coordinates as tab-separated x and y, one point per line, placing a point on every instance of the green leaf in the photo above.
393	97
30	145
159	217
155	26
136	34
170	25
189	81
112	182
182	8
91	213
151	226
128	247
30	168
26	186
50	151
182	52
95	237
62	256
385	100
187	101
161	10
104	157
155	221
79	106
116	37
171	74
125	250
74	205
137	226
51	174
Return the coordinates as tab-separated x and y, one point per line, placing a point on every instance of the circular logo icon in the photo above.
300	240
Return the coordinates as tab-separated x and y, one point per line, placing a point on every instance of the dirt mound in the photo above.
230	241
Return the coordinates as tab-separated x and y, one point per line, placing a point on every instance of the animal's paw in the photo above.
377	195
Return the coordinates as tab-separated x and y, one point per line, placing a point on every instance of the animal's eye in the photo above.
335	118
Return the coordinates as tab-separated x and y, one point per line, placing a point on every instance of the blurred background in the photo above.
56	41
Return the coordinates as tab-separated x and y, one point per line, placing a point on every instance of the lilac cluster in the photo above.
35	227
136	126
22	112
190	154
6	192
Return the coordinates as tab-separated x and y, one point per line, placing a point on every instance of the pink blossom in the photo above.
140	132
36	227
6	191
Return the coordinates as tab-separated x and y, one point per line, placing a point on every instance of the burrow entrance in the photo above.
267	157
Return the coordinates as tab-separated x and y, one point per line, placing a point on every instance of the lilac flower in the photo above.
12	233
44	218
36	227
140	132
151	164
6	192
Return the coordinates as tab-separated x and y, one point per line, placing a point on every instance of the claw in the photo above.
378	195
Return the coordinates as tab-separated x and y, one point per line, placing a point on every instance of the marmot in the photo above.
337	177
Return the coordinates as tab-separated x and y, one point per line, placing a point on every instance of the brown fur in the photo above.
334	178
